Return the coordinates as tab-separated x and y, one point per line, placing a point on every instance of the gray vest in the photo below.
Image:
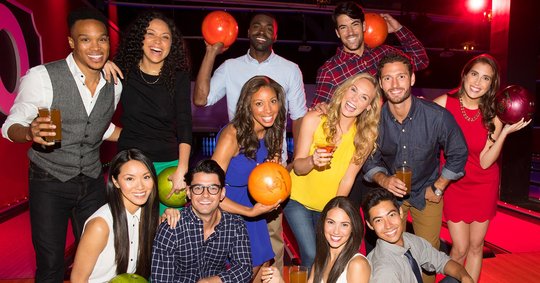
81	134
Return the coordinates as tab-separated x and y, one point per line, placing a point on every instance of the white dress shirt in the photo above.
35	90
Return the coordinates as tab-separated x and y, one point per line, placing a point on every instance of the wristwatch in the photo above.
436	191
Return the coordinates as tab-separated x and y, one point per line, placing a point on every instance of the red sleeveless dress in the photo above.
473	197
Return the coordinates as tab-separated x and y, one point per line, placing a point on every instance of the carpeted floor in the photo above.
509	231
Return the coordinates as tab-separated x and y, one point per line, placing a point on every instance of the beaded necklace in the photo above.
467	118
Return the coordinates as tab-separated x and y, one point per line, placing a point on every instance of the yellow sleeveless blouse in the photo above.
318	187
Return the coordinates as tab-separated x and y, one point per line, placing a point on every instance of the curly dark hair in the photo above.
243	119
130	51
487	101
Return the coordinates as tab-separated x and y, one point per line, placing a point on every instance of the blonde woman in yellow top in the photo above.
322	172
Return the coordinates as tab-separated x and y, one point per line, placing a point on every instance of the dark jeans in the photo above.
52	203
303	223
449	279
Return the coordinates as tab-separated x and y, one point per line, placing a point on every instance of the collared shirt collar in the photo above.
137	214
344	55
393	248
410	115
252	60
77	73
194	218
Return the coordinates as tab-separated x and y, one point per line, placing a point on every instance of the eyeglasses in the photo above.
198	189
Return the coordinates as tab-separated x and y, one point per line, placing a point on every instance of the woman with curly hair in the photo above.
471	202
254	136
339	235
322	172
118	237
156	103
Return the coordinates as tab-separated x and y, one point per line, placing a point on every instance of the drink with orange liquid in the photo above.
297	274
328	147
56	119
404	173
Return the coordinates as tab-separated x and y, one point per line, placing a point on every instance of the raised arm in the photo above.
409	43
202	84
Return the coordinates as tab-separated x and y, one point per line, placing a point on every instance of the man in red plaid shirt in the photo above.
354	56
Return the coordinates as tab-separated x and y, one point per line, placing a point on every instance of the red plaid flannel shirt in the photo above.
343	65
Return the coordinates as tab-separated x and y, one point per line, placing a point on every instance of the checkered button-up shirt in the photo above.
343	65
182	255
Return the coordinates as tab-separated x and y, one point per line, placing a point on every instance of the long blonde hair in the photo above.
366	123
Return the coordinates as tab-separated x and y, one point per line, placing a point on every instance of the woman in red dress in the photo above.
470	203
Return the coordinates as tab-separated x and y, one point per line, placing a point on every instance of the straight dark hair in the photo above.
322	254
349	8
149	215
207	166
376	196
243	119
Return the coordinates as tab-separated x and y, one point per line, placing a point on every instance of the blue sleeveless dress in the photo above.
236	180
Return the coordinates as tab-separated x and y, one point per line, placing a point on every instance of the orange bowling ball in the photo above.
376	30
220	26
269	182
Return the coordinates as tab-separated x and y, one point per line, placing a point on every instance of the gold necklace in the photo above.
467	118
147	82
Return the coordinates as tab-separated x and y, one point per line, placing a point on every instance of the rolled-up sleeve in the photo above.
34	91
455	148
374	163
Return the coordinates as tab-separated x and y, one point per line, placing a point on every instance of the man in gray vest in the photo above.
65	178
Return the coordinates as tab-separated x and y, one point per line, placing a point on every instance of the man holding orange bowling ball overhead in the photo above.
354	56
230	76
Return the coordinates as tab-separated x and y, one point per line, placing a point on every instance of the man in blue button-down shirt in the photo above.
413	132
208	244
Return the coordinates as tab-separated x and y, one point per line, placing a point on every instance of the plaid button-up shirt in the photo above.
343	65
182	255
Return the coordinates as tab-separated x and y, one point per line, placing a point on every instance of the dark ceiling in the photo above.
443	26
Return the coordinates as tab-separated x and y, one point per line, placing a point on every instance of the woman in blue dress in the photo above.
254	136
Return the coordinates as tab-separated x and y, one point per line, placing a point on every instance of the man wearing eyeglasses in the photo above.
207	244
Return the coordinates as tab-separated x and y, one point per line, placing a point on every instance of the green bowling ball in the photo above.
164	188
128	278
